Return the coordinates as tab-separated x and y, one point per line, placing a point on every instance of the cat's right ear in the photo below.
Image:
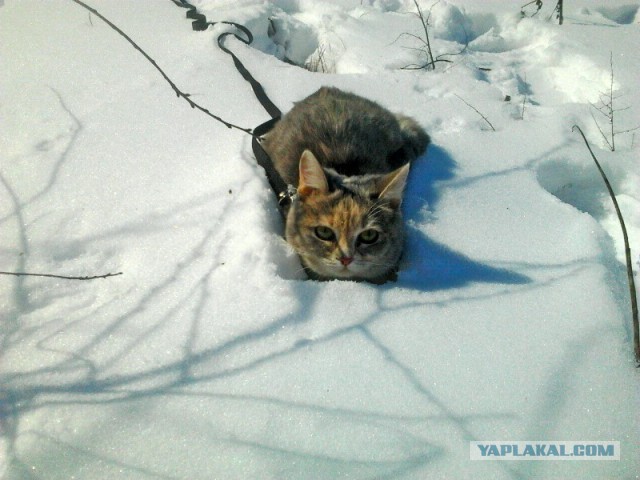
392	185
312	177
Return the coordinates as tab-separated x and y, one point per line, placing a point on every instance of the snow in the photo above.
211	356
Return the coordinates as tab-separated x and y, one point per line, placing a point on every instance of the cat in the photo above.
349	159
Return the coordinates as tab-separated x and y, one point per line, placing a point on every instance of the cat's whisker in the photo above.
375	209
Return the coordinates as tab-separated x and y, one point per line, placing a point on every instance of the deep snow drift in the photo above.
211	356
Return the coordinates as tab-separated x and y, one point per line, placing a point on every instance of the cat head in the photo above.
347	227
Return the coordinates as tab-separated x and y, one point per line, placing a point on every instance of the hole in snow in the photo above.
624	14
578	185
295	41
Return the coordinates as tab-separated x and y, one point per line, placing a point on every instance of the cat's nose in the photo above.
346	260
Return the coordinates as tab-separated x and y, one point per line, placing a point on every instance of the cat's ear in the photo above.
391	186
312	177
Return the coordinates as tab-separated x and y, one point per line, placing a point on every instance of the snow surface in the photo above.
211	356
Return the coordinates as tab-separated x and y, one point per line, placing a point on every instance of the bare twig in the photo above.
600	129
430	61
462	50
476	110
629	130
610	105
627	253
318	61
177	91
427	42
608	110
24	274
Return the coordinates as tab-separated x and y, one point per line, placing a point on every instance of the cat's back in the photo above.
346	132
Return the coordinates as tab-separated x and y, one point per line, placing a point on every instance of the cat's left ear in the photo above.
312	177
392	185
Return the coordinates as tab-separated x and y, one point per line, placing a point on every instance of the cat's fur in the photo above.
349	159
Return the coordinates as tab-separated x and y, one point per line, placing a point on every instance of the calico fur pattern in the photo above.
349	159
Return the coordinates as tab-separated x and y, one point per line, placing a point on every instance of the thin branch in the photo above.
415	66
600	109
24	274
600	129
607	109
628	130
411	35
425	23
462	50
476	110
426	42
613	135
627	253
177	91
430	61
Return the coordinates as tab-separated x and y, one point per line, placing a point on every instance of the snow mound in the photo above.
623	14
448	22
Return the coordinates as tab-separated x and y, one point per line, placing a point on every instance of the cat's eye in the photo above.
368	236
324	233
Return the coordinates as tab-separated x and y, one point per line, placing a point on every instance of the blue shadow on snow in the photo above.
428	265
